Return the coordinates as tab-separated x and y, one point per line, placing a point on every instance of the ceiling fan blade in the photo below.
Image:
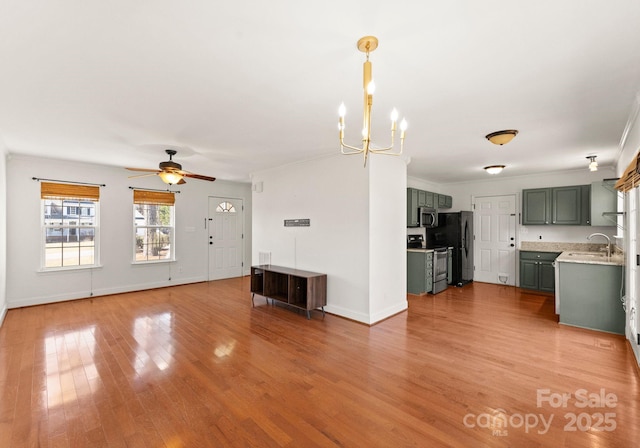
199	176
143	169
143	175
182	181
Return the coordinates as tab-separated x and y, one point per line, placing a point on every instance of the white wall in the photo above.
334	193
3	231
26	285
387	241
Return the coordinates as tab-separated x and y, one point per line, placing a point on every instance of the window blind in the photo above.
153	197
631	177
50	190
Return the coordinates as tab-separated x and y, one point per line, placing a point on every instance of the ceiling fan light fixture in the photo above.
593	164
502	137
170	177
494	169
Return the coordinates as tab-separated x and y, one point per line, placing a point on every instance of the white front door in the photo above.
495	243
225	238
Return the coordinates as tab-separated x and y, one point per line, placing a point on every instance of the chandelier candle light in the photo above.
367	44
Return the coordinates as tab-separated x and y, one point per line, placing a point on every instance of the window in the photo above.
225	207
153	226
69	225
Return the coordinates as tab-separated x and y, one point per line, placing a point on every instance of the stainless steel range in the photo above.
439	269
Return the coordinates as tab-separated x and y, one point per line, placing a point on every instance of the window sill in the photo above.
147	262
68	268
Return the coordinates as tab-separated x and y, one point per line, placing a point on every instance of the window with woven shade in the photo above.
153	226
70	225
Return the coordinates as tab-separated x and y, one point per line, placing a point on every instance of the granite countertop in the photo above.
535	246
587	253
591	258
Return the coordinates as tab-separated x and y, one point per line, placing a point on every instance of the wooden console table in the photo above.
301	289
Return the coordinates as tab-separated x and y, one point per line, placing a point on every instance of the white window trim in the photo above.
172	226
43	242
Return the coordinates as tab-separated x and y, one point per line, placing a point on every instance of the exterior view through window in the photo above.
69	225
153	216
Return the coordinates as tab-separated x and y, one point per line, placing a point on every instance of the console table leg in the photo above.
308	315
252	295
322	312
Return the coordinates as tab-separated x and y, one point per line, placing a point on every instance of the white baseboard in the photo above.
31	301
3	313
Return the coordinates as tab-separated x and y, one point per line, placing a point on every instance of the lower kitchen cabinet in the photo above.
590	296
537	271
419	271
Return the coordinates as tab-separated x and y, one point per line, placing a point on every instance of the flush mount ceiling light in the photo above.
494	169
593	165
367	44
501	137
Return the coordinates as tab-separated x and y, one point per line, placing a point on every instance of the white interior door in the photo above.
225	238
495	239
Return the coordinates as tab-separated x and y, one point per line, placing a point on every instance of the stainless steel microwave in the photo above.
428	217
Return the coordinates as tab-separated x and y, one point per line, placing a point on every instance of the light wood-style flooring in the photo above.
197	366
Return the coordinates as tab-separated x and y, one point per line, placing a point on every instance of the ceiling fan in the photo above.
171	172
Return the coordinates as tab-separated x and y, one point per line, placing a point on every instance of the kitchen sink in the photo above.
587	254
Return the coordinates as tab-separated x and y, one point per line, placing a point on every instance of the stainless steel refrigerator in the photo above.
455	230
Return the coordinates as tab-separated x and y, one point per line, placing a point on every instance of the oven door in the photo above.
440	265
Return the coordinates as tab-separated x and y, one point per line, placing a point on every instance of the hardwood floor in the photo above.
197	366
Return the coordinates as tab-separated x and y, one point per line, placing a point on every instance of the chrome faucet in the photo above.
608	242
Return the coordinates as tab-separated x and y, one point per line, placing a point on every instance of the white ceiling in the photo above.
242	86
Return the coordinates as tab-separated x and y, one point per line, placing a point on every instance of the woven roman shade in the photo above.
50	190
153	197
631	177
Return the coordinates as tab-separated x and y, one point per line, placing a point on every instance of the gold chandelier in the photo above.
367	44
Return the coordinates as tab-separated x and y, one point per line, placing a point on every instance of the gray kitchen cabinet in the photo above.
585	210
413	219
430	200
604	203
445	201
536	206
590	296
568	205
419	271
537	271
422	198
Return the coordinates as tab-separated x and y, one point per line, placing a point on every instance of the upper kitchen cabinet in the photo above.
536	206
557	206
412	208
566	205
604	205
420	198
445	201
